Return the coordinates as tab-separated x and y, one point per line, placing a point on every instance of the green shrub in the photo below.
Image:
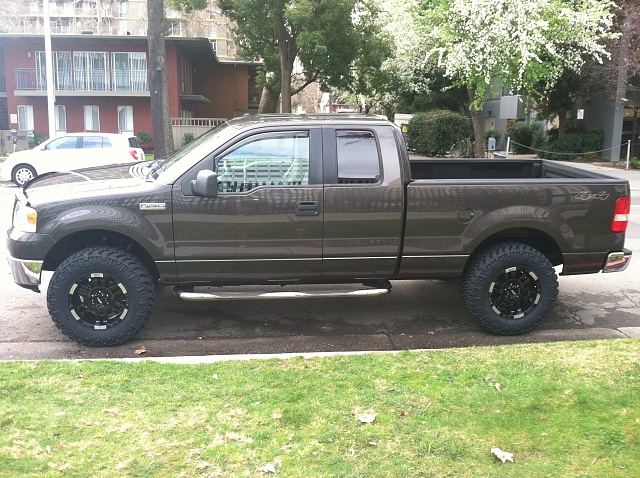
465	148
574	145
187	138
492	133
522	135
36	138
634	163
435	132
144	138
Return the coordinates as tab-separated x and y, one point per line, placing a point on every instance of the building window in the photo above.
186	85
175	28
91	118
25	118
125	119
62	79
129	71
91	72
61	119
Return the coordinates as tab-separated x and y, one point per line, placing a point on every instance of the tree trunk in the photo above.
288	52
158	80
562	123
268	101
478	130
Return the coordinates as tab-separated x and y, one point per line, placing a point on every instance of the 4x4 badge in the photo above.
153	206
602	195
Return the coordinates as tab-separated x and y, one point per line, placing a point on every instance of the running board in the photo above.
249	295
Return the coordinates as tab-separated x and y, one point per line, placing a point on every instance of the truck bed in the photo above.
495	169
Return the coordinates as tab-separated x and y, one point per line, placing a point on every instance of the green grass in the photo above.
564	409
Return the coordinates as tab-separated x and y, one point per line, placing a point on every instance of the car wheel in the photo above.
510	288
100	296
22	174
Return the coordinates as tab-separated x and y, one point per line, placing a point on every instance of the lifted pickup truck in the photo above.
295	200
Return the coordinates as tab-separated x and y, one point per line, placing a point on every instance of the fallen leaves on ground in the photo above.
140	351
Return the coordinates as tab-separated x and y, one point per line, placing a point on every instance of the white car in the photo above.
69	152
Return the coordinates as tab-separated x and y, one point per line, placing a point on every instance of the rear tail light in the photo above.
621	215
134	154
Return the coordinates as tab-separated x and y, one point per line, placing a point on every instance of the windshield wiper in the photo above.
154	167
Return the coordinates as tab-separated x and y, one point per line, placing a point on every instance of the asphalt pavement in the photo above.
416	315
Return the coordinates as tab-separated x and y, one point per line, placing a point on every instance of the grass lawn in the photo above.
562	409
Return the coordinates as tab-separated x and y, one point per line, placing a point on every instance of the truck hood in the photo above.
103	180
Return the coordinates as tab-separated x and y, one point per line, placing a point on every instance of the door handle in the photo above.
307	208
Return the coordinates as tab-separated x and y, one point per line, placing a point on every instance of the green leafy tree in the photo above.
526	45
324	36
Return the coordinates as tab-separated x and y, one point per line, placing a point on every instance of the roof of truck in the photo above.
266	119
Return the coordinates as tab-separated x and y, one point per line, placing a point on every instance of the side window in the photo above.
95	142
67	142
358	159
271	159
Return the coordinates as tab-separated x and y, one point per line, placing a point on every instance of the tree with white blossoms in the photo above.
525	45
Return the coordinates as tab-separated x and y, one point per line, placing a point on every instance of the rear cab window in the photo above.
358	157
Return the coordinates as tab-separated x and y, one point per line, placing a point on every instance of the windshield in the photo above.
193	152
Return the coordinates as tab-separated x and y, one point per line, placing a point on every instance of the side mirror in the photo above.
205	184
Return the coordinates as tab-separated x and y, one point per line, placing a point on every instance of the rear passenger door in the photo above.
363	203
265	223
97	151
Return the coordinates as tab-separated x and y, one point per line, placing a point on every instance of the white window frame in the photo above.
125	115
61	119
25	118
91	115
129	70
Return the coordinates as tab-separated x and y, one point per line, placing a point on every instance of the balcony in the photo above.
83	82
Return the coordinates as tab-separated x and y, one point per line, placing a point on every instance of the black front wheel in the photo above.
100	296
510	288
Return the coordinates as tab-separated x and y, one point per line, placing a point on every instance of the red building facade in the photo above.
101	83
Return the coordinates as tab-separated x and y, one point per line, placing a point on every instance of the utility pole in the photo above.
51	99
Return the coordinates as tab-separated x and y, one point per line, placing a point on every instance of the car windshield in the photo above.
194	151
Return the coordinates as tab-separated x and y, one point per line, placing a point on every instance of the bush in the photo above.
465	148
573	145
144	138
435	132
634	163
521	135
35	138
187	138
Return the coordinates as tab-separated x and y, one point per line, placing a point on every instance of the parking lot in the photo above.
417	314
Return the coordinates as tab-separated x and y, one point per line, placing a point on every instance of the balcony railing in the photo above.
84	79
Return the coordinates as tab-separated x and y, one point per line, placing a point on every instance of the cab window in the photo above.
358	158
269	159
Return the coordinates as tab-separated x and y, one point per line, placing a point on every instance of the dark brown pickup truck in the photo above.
295	200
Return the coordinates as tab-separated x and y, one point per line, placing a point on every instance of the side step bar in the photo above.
380	289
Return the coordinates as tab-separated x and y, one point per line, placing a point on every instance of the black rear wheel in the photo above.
510	288
100	296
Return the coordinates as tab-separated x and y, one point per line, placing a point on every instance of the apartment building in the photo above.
101	83
106	17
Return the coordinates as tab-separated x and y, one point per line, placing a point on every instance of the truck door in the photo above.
265	223
363	203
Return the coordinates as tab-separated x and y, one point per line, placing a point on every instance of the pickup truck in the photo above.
293	200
